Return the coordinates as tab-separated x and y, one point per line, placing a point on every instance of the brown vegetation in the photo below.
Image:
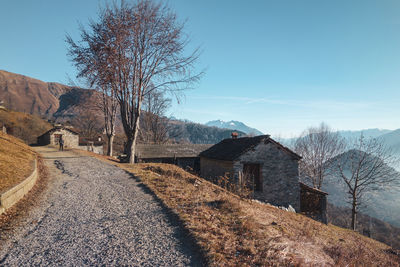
29	95
369	226
23	126
237	232
17	213
16	161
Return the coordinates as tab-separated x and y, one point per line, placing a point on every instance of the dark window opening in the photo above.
252	174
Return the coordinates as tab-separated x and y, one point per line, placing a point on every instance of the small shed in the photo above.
313	203
52	137
184	155
272	167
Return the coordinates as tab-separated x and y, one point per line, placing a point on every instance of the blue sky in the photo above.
278	66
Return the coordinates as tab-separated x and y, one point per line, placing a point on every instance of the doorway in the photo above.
252	172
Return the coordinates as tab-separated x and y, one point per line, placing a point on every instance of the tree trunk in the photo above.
354	214
132	147
110	144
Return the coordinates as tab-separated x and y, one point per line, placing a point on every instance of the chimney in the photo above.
234	135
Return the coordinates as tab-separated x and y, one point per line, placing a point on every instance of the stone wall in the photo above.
212	169
13	195
94	149
279	172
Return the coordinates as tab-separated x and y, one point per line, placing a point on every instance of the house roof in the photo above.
312	189
72	130
147	151
230	149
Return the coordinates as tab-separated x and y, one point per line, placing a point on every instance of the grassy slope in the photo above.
16	161
237	232
22	125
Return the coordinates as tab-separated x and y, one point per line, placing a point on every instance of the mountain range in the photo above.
234	125
48	100
63	103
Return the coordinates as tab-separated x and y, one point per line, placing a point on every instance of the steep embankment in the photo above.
24	126
237	232
29	95
16	161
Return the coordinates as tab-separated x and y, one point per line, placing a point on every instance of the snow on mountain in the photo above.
234	125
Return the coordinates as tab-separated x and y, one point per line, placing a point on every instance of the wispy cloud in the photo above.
205	112
313	104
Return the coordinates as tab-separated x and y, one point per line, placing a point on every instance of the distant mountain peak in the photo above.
234	125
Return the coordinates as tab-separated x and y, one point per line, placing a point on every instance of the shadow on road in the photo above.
187	243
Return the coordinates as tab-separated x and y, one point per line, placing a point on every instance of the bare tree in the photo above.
317	145
143	46
94	63
365	168
109	106
87	121
154	123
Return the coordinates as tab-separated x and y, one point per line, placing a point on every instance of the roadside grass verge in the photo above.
16	161
238	232
17	214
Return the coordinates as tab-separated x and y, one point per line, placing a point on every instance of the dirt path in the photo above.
96	214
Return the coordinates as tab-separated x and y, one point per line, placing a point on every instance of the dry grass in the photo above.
236	232
23	126
16	161
19	212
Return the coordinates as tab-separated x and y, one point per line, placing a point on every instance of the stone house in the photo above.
52	137
185	156
272	167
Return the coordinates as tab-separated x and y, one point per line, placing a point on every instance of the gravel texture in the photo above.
97	214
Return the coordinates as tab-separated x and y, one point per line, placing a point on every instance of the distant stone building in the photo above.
71	139
272	167
52	137
185	156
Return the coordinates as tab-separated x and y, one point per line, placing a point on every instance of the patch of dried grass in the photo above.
18	213
16	161
237	232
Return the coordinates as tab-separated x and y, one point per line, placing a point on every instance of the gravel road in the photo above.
94	213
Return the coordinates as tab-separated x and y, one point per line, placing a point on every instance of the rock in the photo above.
291	209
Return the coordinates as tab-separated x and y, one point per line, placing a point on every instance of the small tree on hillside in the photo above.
143	46
363	169
317	145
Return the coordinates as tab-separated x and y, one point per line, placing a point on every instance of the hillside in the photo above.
237	232
183	131
368	133
382	204
25	94
367	225
392	140
16	161
24	126
73	105
50	100
234	125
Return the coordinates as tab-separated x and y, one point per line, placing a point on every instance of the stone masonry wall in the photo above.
212	169
94	149
71	140
279	172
